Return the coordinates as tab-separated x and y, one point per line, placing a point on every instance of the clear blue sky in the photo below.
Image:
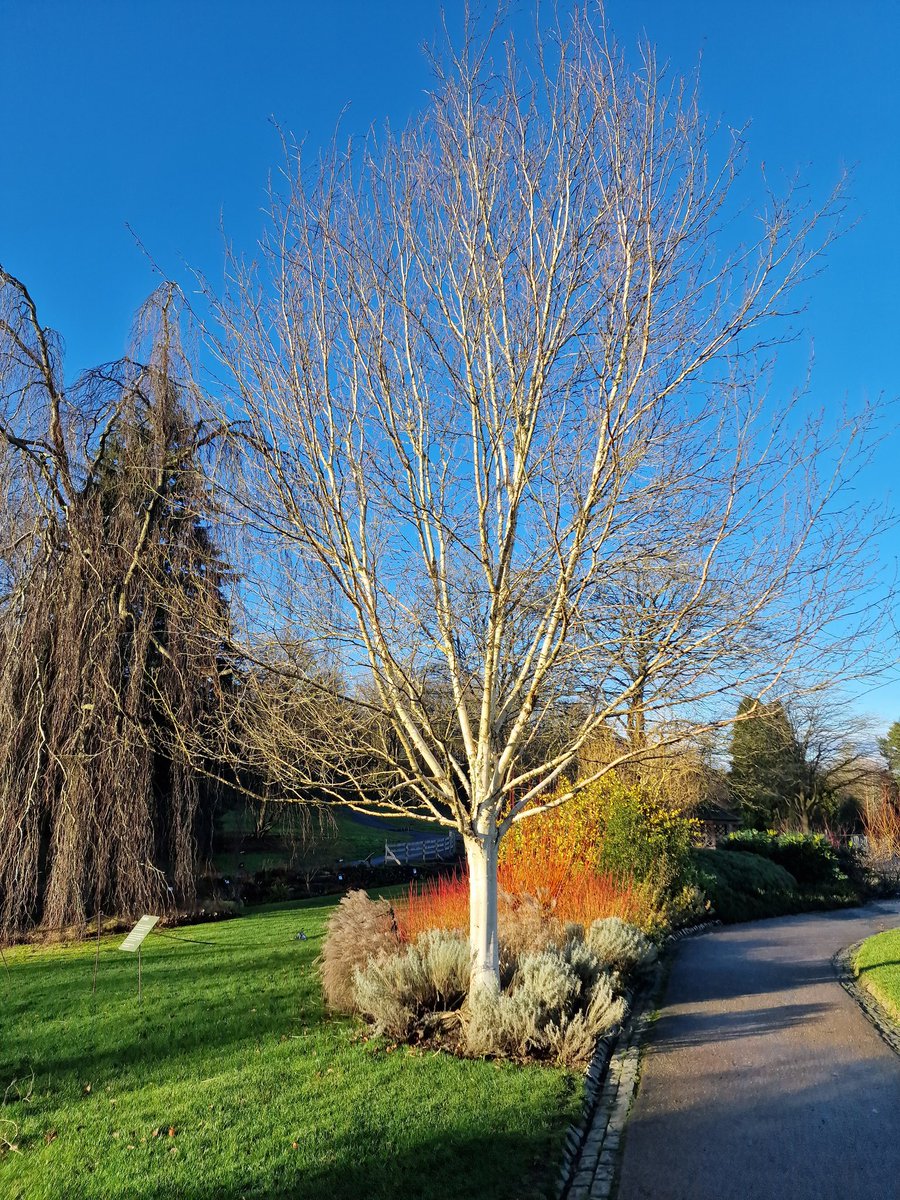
156	114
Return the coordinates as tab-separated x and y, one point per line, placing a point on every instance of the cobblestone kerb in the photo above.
885	1025
591	1155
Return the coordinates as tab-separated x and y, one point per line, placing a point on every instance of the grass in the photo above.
266	1095
326	842
877	964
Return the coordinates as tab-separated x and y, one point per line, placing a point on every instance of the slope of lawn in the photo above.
341	835
230	1082
877	964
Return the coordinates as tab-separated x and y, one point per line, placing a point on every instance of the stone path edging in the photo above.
591	1154
885	1025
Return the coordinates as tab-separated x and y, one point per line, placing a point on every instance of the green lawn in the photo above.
877	965
325	843
267	1096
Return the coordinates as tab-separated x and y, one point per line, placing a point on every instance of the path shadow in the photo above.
743	970
781	1131
701	1028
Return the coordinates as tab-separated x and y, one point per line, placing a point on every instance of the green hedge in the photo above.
810	857
745	887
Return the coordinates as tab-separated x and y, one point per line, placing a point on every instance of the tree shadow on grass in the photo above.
100	1034
452	1167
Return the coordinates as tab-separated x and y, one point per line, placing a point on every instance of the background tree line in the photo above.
809	764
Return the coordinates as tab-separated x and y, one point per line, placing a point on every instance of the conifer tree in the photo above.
767	765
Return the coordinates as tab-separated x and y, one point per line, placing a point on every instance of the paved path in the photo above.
762	1080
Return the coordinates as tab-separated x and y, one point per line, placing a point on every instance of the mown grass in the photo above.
266	1096
877	964
326	841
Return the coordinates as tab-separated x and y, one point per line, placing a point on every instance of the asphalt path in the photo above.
762	1079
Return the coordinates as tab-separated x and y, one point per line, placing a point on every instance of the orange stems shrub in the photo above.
564	892
550	860
574	892
439	903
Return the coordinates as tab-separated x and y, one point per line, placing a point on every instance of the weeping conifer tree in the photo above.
112	627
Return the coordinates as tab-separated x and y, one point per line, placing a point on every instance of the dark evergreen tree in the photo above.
767	765
889	746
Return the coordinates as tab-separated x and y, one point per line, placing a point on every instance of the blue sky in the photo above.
157	115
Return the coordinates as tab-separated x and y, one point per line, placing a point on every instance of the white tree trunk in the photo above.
481	855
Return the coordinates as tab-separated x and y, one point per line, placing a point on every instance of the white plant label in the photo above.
140	931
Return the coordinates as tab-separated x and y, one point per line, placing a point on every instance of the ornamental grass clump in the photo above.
358	929
528	924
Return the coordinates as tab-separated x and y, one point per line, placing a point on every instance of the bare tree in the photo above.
492	374
834	753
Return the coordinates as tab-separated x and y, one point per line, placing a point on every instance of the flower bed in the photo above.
561	985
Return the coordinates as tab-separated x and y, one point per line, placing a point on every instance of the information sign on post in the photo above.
134	942
137	935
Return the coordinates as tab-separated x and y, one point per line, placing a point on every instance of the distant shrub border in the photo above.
745	886
810	857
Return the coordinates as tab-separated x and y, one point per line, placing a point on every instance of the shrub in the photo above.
681	907
645	838
809	857
555	1003
571	833
572	1043
549	1009
386	988
549	982
745	886
620	947
446	962
395	989
573	893
532	892
439	903
359	929
584	962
